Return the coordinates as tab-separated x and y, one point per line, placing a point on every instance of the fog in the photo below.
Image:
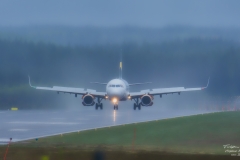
122	35
71	43
170	43
107	13
186	63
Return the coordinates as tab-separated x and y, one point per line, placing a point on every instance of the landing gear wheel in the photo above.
134	106
99	104
115	107
139	106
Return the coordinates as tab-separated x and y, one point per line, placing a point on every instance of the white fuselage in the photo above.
117	89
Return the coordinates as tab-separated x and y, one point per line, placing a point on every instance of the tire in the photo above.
96	106
101	106
134	106
116	107
139	107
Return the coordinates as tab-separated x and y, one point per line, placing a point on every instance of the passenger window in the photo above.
113	85
117	85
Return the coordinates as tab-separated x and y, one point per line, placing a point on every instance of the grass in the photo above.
199	135
202	133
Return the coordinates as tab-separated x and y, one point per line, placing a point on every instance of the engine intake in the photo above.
88	100
146	100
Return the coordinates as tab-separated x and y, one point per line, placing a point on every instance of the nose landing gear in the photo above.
115	107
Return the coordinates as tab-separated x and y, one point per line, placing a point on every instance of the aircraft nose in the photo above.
116	92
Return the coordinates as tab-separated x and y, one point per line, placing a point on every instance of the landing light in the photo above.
106	97
129	97
114	100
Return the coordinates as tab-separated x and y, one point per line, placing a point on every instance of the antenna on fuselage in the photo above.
120	66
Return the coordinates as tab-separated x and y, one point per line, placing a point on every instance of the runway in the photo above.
28	124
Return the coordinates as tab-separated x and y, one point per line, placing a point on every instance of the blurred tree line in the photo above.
186	63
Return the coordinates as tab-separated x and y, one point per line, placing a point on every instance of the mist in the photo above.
106	13
186	63
169	43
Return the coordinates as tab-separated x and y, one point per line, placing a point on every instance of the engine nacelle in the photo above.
146	100
88	100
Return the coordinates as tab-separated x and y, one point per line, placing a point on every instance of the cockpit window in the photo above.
113	85
119	85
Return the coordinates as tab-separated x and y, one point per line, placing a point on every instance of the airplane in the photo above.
118	90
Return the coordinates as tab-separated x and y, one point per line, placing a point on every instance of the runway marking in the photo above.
48	123
20	130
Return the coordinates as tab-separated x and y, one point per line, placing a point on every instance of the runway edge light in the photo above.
14	108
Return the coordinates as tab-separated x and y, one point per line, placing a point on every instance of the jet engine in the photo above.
88	100
146	100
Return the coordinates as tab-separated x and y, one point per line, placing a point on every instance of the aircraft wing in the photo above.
162	91
76	91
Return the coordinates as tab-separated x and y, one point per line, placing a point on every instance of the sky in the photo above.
109	13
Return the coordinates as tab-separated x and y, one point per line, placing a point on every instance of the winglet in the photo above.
29	80
207	84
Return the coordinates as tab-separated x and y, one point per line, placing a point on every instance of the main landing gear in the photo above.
136	104
99	104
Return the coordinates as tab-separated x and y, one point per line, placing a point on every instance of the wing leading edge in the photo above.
80	91
161	91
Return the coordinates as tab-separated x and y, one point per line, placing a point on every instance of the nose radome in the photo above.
116	92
